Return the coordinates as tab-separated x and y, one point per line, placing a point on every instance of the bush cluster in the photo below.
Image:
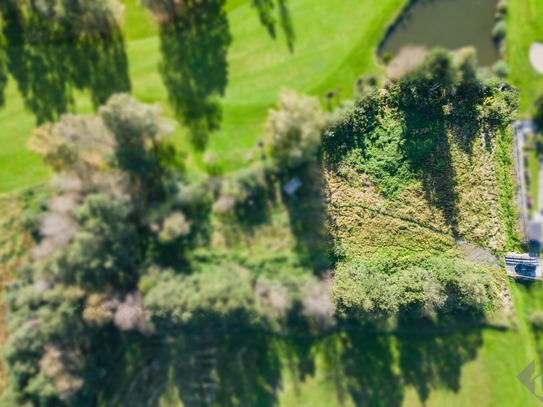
365	290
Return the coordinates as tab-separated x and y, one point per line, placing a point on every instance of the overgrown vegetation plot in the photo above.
409	171
433	158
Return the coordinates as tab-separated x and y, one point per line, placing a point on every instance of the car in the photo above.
525	269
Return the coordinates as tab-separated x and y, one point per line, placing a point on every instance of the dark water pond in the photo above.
448	23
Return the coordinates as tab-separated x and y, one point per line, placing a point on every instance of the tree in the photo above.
439	68
442	285
538	112
500	68
466	61
499	30
75	143
294	130
68	310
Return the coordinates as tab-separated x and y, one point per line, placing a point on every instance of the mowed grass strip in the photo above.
524	26
335	43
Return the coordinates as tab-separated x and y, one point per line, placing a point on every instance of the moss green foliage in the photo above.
438	285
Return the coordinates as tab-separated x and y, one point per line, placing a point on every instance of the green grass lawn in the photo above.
335	43
533	169
524	26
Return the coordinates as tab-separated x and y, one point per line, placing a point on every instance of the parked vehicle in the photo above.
525	269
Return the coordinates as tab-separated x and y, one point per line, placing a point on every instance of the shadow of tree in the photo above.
429	362
265	10
307	214
247	367
194	45
50	55
195	39
3	76
408	132
427	148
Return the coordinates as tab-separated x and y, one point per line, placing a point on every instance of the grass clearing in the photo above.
448	180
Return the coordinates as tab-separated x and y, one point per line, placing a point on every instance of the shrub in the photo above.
366	290
174	226
294	130
239	187
361	292
466	61
387	58
498	32
538	114
536	319
500	68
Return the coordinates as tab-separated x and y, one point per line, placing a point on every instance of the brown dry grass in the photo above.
367	223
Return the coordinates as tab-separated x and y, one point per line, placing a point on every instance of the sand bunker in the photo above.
536	56
407	60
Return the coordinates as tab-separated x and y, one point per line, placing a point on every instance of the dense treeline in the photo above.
112	262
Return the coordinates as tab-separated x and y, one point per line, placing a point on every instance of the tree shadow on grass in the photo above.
195	39
265	10
194	45
235	365
50	56
431	362
3	77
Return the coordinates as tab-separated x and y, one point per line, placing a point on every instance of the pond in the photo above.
451	24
